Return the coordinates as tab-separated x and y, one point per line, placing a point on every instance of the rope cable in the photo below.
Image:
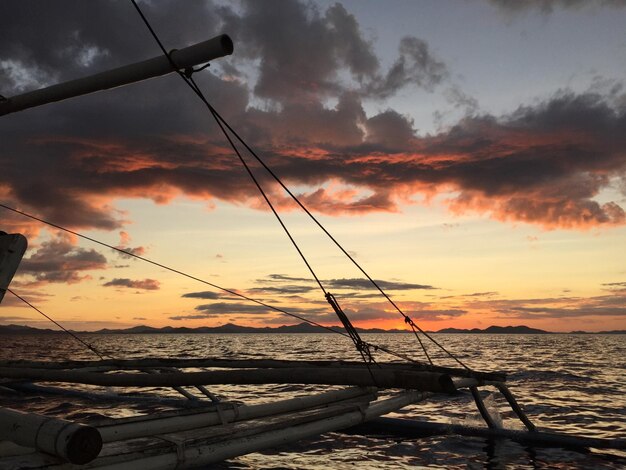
187	76
407	319
193	85
215	286
223	126
84	343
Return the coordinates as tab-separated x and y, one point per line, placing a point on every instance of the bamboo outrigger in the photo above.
212	430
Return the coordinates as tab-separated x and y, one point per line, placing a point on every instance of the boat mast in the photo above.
185	58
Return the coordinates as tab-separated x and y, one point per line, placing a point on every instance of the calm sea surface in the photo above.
566	383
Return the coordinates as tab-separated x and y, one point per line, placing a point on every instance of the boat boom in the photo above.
185	58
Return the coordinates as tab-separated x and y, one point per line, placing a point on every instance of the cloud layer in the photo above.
545	164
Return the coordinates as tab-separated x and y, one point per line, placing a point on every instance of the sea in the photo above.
566	383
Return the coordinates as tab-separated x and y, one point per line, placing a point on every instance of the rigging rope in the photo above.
189	276
188	78
84	343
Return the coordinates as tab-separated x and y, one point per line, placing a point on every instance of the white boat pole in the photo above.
73	442
133	427
200	53
236	444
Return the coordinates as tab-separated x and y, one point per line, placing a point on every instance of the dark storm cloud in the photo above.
542	164
421	312
145	284
46	42
482	294
610	305
286	290
529	313
58	260
301	59
340	283
69	161
390	130
235	308
202	295
283	278
548	6
221	308
366	284
415	65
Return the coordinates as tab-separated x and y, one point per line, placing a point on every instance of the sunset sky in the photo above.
470	154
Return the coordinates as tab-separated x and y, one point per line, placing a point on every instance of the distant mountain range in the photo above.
300	328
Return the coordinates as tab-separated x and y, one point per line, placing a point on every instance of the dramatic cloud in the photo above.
124	245
418	311
611	305
145	284
237	308
232	308
548	6
416	65
342	283
547	312
286	290
203	295
548	164
366	284
615	286
58	260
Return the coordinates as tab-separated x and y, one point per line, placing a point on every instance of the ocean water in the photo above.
566	383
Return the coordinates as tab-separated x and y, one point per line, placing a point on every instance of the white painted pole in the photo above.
73	442
206	51
192	457
134	428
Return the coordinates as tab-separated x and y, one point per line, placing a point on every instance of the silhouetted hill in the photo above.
515	330
20	329
300	328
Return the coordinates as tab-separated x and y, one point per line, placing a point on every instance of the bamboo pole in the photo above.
184	58
484	412
109	396
188	456
417	380
133	428
415	429
73	442
244	364
517	409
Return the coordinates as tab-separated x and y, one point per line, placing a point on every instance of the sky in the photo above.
470	155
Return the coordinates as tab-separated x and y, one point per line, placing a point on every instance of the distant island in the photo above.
300	328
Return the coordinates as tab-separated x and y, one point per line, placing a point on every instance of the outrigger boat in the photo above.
201	428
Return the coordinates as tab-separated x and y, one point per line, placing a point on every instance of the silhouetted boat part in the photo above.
12	248
215	430
183	440
405	428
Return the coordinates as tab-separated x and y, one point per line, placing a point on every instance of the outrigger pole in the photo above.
184	59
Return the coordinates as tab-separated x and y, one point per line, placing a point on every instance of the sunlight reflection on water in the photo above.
566	383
